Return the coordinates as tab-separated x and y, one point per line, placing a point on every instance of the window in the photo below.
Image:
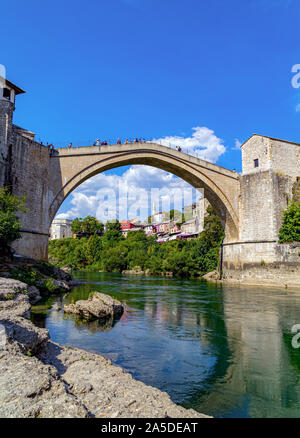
6	93
256	162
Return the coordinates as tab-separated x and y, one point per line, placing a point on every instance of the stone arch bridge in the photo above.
70	167
249	204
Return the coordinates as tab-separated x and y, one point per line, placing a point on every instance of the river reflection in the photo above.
223	350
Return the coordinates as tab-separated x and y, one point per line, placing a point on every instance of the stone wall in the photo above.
273	154
263	263
6	114
264	195
266	190
29	176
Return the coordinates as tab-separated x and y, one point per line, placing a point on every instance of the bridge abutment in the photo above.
271	169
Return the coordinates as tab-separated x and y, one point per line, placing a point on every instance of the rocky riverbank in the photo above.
39	378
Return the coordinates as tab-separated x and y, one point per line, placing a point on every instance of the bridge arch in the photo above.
71	167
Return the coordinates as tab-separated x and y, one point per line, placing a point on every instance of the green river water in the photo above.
222	350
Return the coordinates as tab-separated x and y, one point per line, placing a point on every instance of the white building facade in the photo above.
61	228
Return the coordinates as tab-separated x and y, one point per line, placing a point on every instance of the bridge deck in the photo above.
139	148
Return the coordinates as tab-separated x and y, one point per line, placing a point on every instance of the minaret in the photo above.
8	92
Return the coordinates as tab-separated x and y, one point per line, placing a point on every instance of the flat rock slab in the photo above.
106	390
30	389
96	306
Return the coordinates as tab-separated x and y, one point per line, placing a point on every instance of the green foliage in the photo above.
9	223
34	278
290	229
213	232
46	268
10	297
11	203
27	276
113	253
88	226
113	225
47	286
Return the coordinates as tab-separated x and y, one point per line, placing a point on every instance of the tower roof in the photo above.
9	84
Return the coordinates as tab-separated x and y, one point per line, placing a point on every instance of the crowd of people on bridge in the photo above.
127	141
98	142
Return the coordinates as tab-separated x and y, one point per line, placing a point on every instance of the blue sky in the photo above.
154	69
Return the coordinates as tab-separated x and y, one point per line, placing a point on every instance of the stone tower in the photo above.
8	92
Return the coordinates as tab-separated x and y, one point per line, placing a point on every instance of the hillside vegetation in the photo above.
114	253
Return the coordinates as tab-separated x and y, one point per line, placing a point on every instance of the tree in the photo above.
9	223
290	229
213	232
93	249
87	226
113	225
114	259
113	252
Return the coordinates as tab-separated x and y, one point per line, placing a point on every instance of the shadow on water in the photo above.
222	350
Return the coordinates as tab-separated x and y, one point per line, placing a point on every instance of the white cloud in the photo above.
132	193
62	216
298	108
134	188
237	145
203	144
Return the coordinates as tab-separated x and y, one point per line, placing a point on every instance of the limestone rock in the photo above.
27	336
30	389
132	272
107	390
34	294
73	283
60	284
62	274
137	270
18	306
96	306
14	299
9	287
211	276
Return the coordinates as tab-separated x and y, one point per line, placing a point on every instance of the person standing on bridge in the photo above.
97	142
136	140
119	141
51	147
70	145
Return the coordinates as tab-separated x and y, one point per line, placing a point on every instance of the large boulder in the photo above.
96	306
211	276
